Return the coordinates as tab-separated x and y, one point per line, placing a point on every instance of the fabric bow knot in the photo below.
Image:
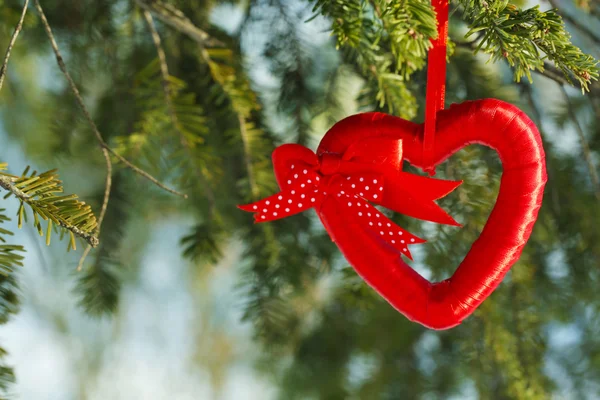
367	172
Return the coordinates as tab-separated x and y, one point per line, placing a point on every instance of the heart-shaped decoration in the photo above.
367	150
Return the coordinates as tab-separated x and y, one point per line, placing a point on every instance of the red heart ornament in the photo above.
367	149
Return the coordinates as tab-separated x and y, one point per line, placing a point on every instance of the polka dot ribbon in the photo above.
306	188
353	180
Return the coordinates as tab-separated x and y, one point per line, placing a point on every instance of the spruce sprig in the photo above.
42	194
388	40
10	256
526	38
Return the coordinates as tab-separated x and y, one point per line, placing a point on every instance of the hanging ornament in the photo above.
359	163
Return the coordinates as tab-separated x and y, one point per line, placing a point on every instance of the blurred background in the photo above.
187	299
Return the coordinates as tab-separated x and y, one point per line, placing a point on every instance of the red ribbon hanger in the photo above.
436	82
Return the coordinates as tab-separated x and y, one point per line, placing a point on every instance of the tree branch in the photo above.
13	39
582	28
8	183
164	72
587	154
247	156
86	113
550	71
107	188
173	17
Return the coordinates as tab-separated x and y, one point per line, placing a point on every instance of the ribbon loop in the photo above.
330	164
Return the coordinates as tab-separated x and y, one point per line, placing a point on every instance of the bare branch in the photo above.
164	72
86	113
107	187
173	17
587	155
13	39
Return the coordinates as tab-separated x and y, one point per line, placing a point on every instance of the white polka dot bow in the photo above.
305	187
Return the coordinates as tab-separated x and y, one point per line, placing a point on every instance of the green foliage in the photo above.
388	41
62	212
324	333
98	287
156	135
99	283
9	254
7	376
227	72
526	38
10	257
203	243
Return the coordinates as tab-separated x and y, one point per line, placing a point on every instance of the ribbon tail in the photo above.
277	207
415	196
428	188
302	193
381	227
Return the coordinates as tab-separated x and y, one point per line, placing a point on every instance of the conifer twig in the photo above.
587	155
85	111
164	72
247	157
177	20
550	71
581	27
13	39
8	183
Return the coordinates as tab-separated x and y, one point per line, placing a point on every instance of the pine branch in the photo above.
164	72
526	38
204	242
10	255
98	285
247	155
13	39
292	66
577	24
243	100
173	17
237	88
388	40
86	113
587	155
549	71
39	192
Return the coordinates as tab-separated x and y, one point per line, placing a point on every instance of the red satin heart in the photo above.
490	122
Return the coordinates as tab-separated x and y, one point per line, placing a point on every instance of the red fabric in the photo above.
436	80
368	171
370	144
